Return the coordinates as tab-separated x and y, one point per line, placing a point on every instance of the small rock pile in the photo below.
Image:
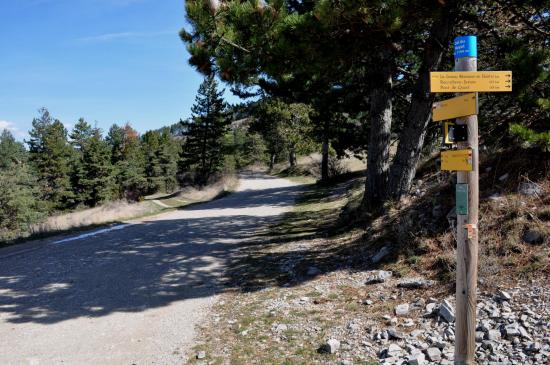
512	329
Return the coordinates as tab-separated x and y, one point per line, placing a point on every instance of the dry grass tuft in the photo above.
122	210
222	186
310	166
110	212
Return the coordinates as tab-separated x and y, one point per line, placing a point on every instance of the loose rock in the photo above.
384	251
402	309
502	295
391	351
512	330
532	237
434	354
493	335
529	189
417	359
503	177
331	347
393	334
446	311
379	276
415	283
281	327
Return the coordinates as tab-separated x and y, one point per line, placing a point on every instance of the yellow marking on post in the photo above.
456	160
461	106
470	81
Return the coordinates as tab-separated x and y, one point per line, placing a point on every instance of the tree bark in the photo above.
324	159
271	161
325	150
411	138
379	141
292	156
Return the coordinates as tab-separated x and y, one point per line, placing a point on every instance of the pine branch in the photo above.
234	45
522	17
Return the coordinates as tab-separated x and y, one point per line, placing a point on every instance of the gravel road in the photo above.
131	295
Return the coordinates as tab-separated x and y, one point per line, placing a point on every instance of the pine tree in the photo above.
168	160
128	162
19	197
50	155
153	171
161	153
80	137
203	146
11	151
98	181
81	134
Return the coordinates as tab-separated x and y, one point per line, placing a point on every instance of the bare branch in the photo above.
234	45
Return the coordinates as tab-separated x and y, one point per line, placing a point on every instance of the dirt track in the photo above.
133	295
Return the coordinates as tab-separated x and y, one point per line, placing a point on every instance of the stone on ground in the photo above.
415	283
402	309
379	276
330	347
434	354
417	358
384	251
447	312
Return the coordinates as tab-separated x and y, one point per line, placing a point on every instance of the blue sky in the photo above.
108	61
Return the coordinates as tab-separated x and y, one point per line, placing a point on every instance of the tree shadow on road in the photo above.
143	266
227	244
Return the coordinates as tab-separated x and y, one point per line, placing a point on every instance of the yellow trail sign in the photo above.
470	81
461	106
456	160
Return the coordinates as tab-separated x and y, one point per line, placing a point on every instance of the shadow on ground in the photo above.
219	246
142	266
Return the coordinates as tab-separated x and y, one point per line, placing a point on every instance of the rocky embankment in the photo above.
373	317
513	328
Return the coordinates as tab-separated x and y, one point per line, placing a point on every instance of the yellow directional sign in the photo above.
470	81
460	106
456	160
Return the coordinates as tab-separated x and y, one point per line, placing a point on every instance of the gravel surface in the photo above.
129	296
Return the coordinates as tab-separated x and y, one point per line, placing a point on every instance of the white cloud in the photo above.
4	124
126	35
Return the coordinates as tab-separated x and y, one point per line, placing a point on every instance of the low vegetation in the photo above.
122	210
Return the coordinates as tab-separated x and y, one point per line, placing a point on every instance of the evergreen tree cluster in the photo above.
56	170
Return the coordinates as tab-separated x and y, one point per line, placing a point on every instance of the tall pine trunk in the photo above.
324	160
271	161
204	147
324	151
378	156
411	138
292	156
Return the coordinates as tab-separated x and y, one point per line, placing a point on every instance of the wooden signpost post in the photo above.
465	160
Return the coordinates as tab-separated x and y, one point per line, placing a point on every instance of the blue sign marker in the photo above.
466	46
